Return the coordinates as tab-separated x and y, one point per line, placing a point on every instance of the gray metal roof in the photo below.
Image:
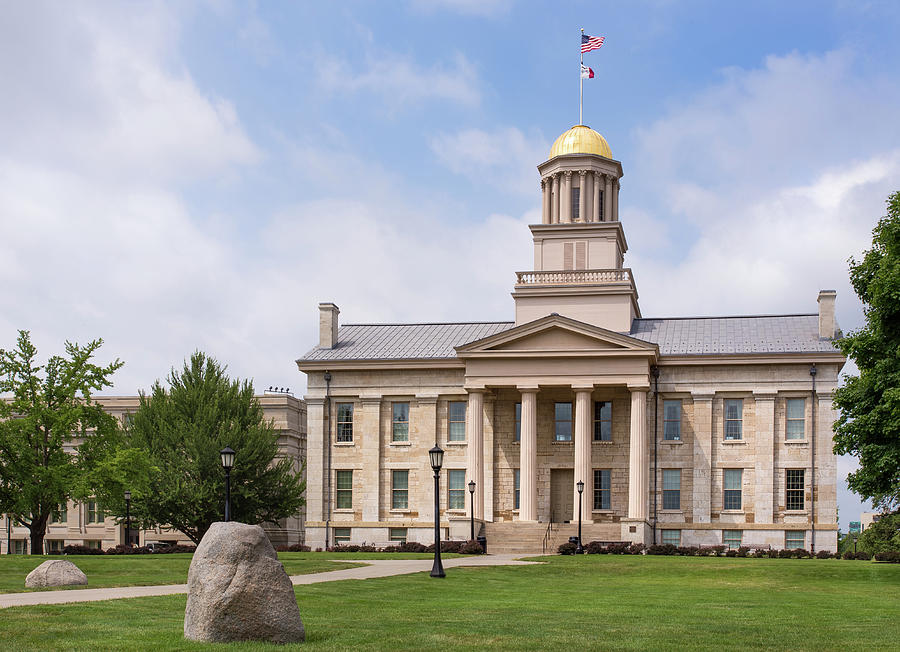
404	341
733	335
674	336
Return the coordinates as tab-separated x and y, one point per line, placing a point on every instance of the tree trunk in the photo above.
38	528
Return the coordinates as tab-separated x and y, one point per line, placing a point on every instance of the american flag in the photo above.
589	43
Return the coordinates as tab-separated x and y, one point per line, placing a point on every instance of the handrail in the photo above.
546	541
575	276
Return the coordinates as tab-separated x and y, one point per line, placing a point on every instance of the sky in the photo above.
188	175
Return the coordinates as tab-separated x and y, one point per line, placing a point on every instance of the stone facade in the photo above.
589	379
84	524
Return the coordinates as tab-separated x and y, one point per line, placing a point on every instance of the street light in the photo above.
437	460
580	484
472	508
227	462
127	518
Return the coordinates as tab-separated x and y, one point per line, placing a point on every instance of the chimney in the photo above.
827	326
328	325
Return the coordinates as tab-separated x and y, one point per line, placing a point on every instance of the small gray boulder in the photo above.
55	572
238	590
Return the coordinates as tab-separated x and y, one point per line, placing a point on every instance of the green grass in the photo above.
145	570
594	602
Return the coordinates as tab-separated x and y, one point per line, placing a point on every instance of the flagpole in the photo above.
581	83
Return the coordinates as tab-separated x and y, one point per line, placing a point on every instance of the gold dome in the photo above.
581	140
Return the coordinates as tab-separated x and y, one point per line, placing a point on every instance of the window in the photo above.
400	422
518	431
93	544
671	488
563	418
576	196
794	429
671	537
672	420
345	422
54	546
397	534
341	535
399	489
456	483
734	410
94	512
732	538
516	489
794	489
128	419
602	421
456	429
344	490
60	514
602	483
732	485
18	546
601	202
794	539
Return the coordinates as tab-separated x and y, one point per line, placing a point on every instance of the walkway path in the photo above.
373	568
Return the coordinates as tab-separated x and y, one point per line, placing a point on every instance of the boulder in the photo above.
55	572
238	590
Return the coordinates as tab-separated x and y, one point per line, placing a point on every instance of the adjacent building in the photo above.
684	430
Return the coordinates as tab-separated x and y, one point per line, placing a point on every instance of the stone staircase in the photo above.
530	538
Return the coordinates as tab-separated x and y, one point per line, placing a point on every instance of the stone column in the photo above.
764	469
583	470
595	205
703	433
565	199
638	471
582	197
545	200
423	434
607	200
488	457
826	465
316	452
369	438
615	199
475	448
528	456
554	200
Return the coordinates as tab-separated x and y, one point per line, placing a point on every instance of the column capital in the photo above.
475	389
530	389
371	400
825	396
764	396
318	401
583	388
703	396
568	174
582	173
638	387
426	399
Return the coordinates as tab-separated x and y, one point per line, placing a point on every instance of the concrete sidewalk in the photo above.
373	568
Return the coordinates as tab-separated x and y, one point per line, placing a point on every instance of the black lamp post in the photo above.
580	485
227	462
127	519
437	460
472	509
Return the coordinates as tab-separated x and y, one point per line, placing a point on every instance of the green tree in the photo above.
882	535
180	430
46	417
869	423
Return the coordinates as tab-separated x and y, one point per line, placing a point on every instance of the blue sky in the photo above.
192	175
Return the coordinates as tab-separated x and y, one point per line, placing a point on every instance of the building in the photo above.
689	430
88	524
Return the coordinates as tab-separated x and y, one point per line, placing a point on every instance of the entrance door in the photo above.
562	484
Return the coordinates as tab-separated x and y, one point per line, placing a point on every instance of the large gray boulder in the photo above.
55	572
238	590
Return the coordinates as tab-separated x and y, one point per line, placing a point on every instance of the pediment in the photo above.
555	334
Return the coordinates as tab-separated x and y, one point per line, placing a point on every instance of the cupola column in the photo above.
595	205
582	196
615	200
545	200
554	200
607	200
565	200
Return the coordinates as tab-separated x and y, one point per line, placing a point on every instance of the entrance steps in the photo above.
544	538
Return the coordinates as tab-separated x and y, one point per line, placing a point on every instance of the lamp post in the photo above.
227	462
437	460
127	519
580	485
472	510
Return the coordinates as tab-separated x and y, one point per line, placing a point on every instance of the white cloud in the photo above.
504	159
399	81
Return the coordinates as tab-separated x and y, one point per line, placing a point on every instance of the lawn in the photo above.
594	602
146	570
